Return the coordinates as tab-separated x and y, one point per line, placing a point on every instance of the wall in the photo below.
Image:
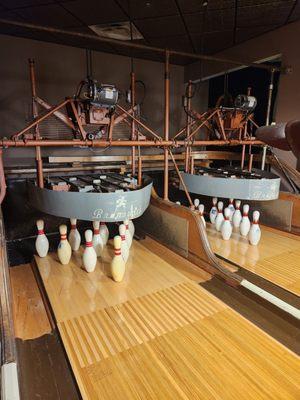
58	70
282	41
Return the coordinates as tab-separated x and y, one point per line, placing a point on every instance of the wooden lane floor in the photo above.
276	258
159	335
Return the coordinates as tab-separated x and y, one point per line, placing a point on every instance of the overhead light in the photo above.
117	30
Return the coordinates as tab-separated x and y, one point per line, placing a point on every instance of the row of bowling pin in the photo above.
233	218
94	244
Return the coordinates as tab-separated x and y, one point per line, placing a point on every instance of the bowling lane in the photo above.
276	257
159	335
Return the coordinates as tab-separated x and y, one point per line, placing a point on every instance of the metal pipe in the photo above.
263	160
121	143
40	119
132	98
2	179
270	93
188	127
134	45
139	122
38	153
140	171
81	129
167	124
243	156
181	180
59	115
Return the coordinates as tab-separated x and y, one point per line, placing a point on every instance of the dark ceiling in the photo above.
186	25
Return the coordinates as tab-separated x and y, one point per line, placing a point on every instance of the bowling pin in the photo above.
104	233
237	216
41	242
231	208
131	228
74	236
255	232
201	211
89	257
124	247
226	229
128	237
97	239
219	218
245	223
196	203
64	250
213	211
117	265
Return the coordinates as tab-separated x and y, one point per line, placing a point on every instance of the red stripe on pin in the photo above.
63	237
123	237
89	244
96	231
41	232
73	226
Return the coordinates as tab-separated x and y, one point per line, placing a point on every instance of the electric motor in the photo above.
245	102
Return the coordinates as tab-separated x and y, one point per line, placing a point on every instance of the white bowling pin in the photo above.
89	257
201	212
41	242
196	203
128	237
245	223
231	208
213	211
237	216
220	217
97	239
255	232
74	236
124	247
104	233
131	228
64	250
178	203
226	229
117	265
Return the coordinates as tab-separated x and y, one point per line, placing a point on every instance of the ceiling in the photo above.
195	26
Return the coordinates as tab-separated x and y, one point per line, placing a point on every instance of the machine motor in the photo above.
245	102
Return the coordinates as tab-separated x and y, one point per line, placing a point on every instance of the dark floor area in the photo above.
44	371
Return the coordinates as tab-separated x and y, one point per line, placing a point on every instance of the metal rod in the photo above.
132	98
82	131
167	124
181	180
59	115
263	159
2	179
121	143
111	127
250	162
243	156
188	127
133	45
139	122
270	93
140	171
40	119
38	153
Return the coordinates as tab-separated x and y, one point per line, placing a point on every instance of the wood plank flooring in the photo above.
159	335
276	257
30	317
